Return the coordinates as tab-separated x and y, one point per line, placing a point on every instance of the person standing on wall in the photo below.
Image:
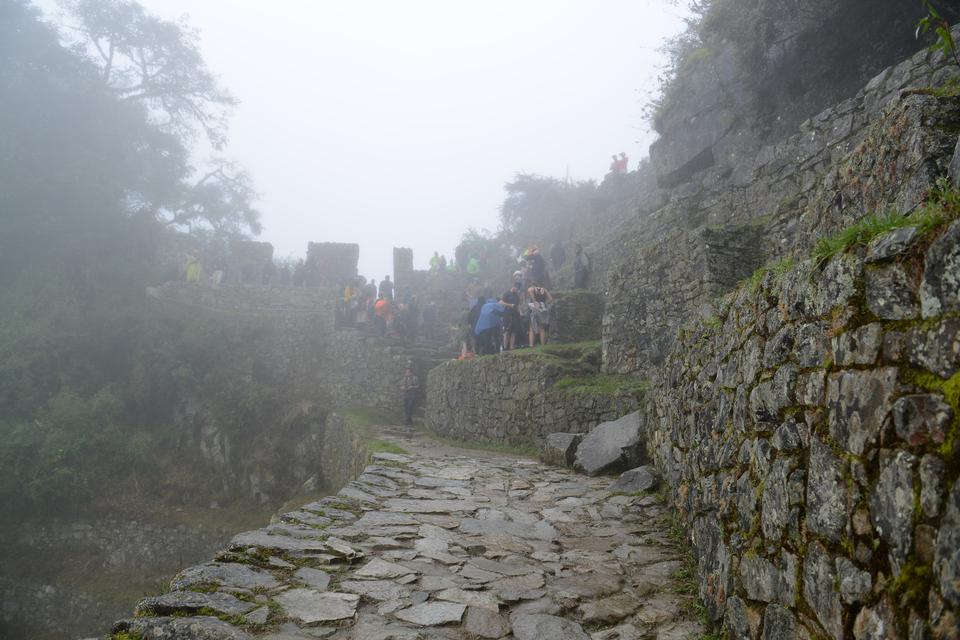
558	255
386	288
539	305
193	268
410	387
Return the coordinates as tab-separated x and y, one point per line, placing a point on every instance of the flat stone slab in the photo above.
264	540
314	578
378	568
431	614
309	607
546	627
430	506
226	574
192	602
201	628
379	590
539	531
483	599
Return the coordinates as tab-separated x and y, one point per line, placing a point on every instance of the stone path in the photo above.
441	543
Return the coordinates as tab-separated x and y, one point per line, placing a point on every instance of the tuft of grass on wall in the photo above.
941	207
602	384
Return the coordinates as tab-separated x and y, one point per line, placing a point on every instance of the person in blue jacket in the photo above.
489	326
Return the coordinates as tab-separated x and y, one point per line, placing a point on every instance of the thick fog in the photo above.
397	124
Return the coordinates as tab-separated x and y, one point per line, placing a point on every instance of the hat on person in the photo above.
517	274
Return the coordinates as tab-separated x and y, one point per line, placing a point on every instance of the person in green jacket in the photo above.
473	266
193	268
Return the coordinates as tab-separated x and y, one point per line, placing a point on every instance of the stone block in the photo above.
612	446
560	449
946	564
940	289
820	590
936	349
827	496
921	419
779	623
891	245
858	403
860	346
892	503
890	293
636	480
954	171
765	581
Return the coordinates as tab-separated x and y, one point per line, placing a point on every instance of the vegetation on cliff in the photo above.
96	178
787	60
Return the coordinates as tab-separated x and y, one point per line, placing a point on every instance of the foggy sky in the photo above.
393	123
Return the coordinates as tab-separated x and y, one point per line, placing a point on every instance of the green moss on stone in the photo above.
602	384
912	587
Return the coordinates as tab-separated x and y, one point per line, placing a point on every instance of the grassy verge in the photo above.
602	384
364	422
529	451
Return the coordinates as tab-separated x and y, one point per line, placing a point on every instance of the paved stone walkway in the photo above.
441	543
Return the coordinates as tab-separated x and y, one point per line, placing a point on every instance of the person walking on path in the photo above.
410	387
581	268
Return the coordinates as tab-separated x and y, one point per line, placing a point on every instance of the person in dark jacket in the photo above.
410	387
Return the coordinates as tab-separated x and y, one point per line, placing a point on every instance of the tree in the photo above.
537	207
153	61
221	200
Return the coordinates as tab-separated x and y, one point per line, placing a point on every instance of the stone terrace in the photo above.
442	543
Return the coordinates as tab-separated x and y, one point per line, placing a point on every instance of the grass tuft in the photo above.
942	206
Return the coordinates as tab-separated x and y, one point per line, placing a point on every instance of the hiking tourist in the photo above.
538	267
512	322
381	315
410	387
193	268
581	268
539	301
489	326
386	288
558	256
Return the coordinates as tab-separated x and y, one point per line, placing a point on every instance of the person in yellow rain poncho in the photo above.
193	267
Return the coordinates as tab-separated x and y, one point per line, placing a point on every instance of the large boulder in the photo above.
560	448
613	447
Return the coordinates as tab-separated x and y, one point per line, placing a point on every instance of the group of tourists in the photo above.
620	165
464	263
389	312
520	317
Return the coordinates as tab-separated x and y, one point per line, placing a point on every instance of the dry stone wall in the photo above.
883	148
514	398
808	432
290	333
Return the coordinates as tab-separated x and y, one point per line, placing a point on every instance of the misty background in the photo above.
397	124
